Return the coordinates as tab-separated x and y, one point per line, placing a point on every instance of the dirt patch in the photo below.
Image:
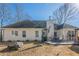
75	48
32	49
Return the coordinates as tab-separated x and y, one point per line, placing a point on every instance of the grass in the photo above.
39	49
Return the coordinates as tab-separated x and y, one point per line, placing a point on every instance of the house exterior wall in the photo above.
62	33
30	34
77	35
50	27
59	34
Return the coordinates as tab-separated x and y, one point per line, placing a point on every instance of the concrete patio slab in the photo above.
66	42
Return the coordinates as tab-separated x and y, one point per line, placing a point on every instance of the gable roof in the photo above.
27	24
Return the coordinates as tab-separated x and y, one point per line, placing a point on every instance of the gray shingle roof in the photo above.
66	26
27	24
36	24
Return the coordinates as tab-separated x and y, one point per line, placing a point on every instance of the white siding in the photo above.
30	34
63	32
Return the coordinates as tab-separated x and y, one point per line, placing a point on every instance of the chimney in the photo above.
49	17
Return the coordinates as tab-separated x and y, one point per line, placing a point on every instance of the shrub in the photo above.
44	39
35	40
9	41
27	41
13	48
18	41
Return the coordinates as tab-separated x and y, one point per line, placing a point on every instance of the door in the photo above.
44	36
55	37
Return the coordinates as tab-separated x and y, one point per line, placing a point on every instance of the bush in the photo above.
35	40
9	41
18	41
13	48
44	39
27	41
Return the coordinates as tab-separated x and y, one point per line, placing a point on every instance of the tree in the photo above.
65	13
4	16
20	13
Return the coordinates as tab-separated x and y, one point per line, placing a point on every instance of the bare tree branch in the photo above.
20	14
65	13
4	16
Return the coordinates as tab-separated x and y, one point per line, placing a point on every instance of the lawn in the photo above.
37	49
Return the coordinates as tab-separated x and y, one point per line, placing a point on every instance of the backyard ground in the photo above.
37	49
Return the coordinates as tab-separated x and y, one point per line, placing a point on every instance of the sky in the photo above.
37	11
41	11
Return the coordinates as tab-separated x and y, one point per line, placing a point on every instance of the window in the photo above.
73	33
69	33
55	34
12	32
37	34
16	33
23	33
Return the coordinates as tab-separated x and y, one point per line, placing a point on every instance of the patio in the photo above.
61	42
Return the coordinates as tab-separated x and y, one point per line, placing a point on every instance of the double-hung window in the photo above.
16	33
12	32
36	33
23	33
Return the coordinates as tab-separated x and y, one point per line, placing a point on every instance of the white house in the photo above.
36	30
